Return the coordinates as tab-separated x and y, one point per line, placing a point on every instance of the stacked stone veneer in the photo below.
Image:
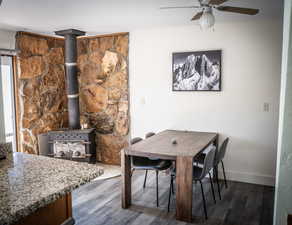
103	82
42	103
103	66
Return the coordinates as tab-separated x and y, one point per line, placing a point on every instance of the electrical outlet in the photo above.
266	107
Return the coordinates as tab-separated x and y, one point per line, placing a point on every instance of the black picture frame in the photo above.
197	71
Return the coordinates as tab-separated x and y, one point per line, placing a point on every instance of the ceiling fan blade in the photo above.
197	16
180	7
217	2
238	10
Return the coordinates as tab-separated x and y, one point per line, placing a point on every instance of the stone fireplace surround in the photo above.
103	81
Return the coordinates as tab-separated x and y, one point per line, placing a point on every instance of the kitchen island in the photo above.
37	189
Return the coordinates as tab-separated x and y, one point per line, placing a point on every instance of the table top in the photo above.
29	182
189	144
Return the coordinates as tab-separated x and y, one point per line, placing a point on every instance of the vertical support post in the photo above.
126	179
184	188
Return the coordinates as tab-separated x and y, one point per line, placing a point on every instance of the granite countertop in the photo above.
29	182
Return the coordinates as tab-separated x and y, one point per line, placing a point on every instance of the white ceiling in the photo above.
108	16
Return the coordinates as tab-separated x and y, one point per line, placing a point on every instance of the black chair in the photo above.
218	159
199	173
144	163
150	134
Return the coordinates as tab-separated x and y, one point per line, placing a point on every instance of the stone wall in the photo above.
104	103
103	82
41	96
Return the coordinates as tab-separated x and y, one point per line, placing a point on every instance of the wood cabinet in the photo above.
56	213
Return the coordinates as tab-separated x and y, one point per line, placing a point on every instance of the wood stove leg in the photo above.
126	179
289	220
184	188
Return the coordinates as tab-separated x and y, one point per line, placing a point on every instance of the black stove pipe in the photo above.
71	74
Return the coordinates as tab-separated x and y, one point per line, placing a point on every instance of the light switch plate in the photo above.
143	101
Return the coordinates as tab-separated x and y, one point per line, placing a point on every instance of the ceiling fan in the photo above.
205	15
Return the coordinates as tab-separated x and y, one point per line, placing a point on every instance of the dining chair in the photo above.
144	163
218	159
150	134
199	173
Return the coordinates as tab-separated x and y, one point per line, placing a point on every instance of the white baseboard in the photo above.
249	178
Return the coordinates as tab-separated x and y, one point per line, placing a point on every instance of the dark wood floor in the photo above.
99	203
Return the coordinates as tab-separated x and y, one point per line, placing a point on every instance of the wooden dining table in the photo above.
179	146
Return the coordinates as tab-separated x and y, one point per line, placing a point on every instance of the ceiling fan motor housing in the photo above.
207	19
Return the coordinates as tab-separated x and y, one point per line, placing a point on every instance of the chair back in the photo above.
150	134
135	159
135	140
208	163
221	153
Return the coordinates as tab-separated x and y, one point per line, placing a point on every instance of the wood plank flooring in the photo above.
99	203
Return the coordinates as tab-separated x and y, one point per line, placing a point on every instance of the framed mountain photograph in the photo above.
197	71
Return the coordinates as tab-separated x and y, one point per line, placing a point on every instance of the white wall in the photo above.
7	39
251	76
283	204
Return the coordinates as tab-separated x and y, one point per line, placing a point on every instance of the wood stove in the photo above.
72	143
77	145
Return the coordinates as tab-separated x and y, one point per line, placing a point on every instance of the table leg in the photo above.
126	179
184	188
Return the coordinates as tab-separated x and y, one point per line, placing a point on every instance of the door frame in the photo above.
16	102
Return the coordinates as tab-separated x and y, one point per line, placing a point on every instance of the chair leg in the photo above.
212	187
144	184
157	198
172	187
217	181
170	191
224	174
204	201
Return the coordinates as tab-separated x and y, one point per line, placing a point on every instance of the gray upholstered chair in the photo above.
218	159
199	173
144	163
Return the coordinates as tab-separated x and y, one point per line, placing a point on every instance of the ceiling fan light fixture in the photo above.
207	20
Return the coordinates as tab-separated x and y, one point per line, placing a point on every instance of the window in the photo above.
7	106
